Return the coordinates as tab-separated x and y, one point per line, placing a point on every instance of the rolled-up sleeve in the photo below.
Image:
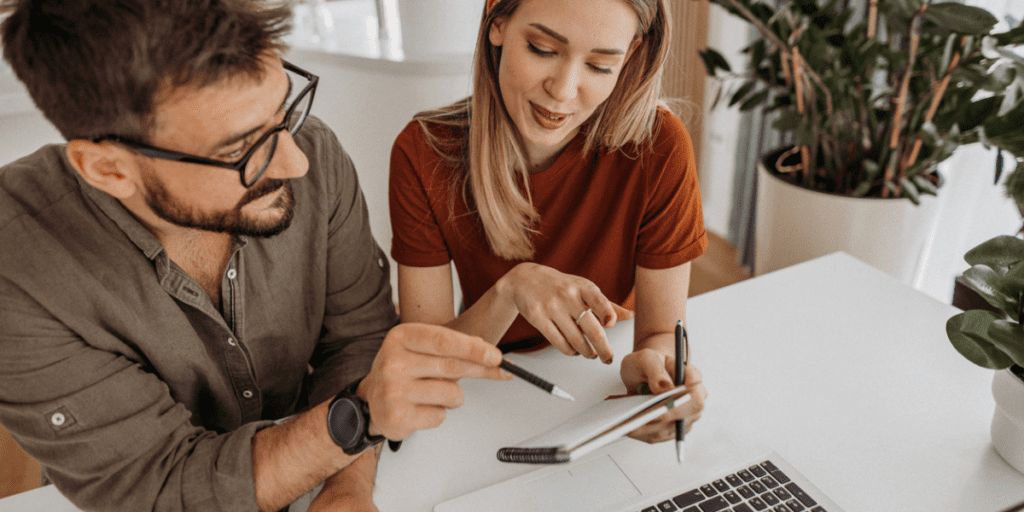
359	308
109	432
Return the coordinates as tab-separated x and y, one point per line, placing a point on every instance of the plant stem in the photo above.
901	101
940	91
872	19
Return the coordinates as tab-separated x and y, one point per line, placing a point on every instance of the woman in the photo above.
558	188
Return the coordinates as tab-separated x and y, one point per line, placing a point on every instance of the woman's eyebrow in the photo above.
565	40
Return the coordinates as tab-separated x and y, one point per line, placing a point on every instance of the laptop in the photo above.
724	470
600	484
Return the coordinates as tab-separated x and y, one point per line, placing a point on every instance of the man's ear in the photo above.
103	165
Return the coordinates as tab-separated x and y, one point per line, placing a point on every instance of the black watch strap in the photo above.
348	421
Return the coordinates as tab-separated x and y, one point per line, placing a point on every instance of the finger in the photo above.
622	313
554	336
441	341
591	328
692	375
657	370
443	393
574	336
602	308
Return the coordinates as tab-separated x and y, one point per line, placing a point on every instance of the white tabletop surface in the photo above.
840	368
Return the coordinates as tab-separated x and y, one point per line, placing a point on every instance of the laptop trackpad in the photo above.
595	485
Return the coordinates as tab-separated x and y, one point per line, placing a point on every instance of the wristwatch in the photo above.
348	421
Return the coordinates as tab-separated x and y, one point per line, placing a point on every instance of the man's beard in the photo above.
233	221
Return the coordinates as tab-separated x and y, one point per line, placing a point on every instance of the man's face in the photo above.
221	122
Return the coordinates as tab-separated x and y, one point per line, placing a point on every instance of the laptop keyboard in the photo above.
761	487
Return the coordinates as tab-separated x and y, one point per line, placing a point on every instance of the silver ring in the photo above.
583	314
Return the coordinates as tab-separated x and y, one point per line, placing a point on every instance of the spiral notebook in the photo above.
602	423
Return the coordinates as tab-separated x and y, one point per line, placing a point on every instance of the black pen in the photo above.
535	380
681	352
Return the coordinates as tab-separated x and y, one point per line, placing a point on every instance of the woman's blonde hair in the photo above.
491	154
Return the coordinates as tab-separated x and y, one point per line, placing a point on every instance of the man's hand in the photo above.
413	379
351	489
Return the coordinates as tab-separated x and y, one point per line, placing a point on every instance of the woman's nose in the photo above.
563	84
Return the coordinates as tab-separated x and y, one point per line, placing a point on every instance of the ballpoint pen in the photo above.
535	380
681	353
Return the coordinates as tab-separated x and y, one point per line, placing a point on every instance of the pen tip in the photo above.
679	452
561	394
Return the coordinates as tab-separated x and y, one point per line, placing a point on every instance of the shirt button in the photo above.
231	341
380	262
232	273
247	393
57	419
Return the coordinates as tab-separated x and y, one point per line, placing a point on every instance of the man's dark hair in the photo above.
98	67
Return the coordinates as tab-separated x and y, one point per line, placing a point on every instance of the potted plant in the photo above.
992	336
872	106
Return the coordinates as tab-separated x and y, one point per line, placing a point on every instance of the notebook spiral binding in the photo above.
532	455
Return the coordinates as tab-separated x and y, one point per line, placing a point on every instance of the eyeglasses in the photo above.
254	163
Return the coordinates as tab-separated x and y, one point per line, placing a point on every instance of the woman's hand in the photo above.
657	370
570	311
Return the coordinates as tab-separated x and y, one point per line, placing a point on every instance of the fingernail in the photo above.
610	360
664	384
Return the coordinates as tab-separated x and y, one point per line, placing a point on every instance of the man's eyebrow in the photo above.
565	40
233	138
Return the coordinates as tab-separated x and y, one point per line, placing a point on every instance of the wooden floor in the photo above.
714	269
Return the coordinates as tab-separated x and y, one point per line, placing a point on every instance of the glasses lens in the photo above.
299	111
256	165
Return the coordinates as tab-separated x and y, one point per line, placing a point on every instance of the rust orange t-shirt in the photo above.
600	217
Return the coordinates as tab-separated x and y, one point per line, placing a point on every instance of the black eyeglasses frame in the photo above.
239	165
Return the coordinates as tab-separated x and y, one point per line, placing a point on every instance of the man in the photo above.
194	264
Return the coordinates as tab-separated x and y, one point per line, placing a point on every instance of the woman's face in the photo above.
560	60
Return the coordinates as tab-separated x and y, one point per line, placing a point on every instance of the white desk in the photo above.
840	368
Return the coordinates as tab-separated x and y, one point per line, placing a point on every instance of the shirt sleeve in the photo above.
672	230
108	432
417	239
359	309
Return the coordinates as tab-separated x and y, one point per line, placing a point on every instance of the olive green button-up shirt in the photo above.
119	374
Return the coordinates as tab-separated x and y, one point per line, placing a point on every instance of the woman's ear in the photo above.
491	4
103	165
496	34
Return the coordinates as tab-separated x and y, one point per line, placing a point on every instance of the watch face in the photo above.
346	423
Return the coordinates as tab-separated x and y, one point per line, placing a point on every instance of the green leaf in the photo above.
1009	338
863	188
742	92
968	332
988	283
1015	186
999	165
871	169
1001	252
964	19
754	100
713	60
947	54
1013	37
788	120
910	191
925	185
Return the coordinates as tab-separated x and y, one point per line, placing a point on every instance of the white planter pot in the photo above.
1008	419
795	224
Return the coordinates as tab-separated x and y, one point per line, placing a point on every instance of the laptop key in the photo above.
783	494
688	498
779	475
692	509
768	466
742	507
757	471
817	509
714	504
758	504
666	506
799	493
650	509
746	492
758	487
708	490
795	506
769	482
782	508
770	499
745	475
732	497
734	480
721	485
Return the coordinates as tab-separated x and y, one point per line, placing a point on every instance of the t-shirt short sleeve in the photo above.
672	227
416	190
